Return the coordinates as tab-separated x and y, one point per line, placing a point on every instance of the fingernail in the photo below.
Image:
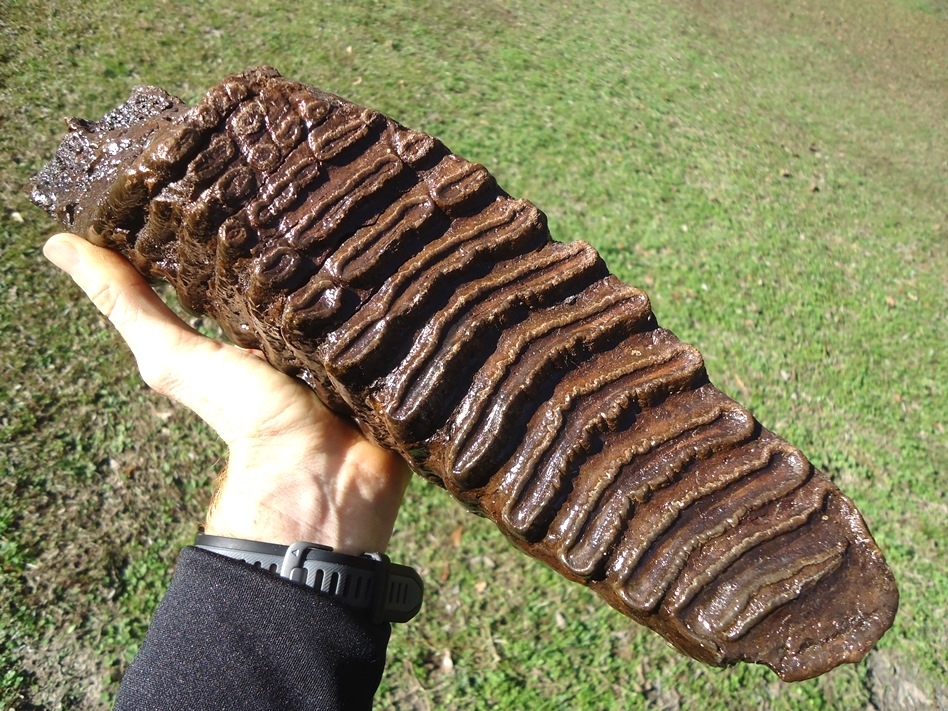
61	253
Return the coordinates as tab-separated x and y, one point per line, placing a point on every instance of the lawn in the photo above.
774	174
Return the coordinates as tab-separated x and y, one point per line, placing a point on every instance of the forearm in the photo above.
227	636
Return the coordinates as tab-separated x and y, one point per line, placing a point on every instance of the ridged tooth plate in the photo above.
412	293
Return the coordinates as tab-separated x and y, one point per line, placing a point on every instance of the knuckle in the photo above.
151	370
155	362
105	298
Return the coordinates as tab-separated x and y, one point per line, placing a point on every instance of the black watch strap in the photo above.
370	582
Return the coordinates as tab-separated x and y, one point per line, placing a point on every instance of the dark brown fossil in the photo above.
415	295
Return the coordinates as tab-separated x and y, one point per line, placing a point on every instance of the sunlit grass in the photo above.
775	177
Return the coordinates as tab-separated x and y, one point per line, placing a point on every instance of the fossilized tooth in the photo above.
413	294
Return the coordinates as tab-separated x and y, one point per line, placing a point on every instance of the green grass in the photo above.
775	175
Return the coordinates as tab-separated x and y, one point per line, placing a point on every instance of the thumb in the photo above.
173	358
119	292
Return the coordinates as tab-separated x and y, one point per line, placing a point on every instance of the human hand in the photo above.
296	471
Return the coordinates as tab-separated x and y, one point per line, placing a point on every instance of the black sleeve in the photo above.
228	636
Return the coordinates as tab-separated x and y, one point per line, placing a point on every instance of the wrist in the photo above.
291	513
290	492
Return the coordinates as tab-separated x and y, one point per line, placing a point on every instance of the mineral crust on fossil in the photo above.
416	296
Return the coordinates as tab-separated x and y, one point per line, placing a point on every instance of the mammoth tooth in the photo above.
416	296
